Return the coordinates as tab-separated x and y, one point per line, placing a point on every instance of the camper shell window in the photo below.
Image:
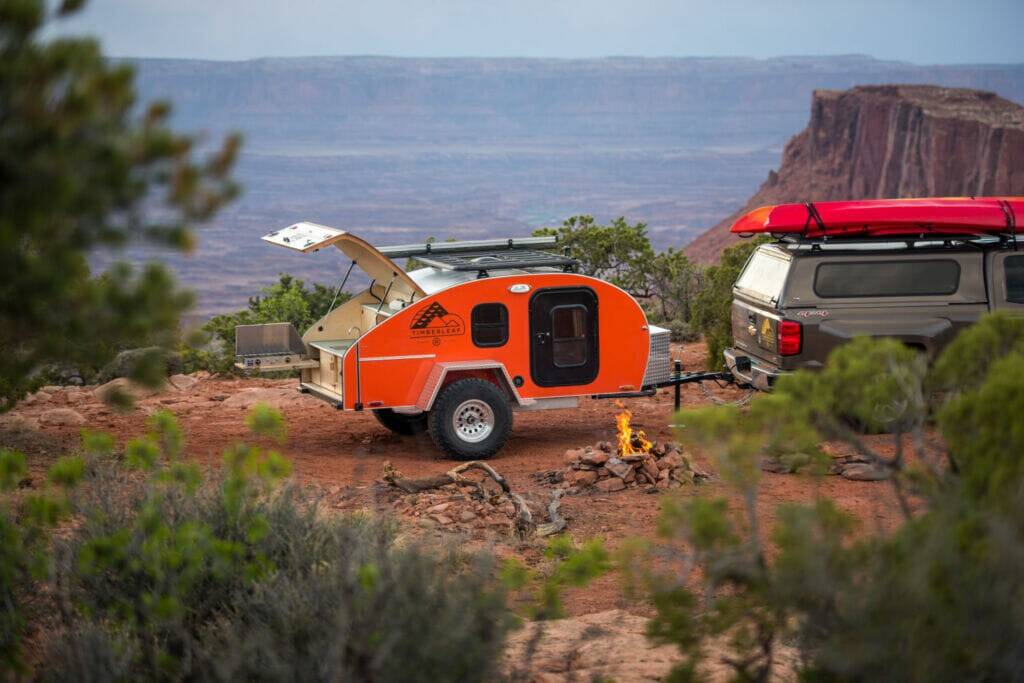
1014	267
849	279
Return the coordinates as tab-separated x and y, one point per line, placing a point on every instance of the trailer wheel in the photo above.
401	423
470	419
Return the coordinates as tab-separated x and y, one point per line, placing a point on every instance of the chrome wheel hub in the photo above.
473	420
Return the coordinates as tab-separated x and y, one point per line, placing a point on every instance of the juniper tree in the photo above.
85	167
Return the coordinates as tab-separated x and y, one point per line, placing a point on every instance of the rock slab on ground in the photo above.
274	397
591	647
60	417
864	472
613	645
183	382
106	392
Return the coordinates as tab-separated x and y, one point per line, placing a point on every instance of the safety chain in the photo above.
742	401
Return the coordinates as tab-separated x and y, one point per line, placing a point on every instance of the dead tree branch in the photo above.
557	522
522	518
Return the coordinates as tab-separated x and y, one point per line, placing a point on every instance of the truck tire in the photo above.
400	423
470	420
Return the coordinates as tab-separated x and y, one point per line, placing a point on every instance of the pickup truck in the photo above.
802	296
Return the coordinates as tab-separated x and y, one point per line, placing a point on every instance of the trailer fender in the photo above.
447	372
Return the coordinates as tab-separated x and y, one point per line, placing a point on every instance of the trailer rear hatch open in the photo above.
755	310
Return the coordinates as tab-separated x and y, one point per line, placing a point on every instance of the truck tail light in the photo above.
791	337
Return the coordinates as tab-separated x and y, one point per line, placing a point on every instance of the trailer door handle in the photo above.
542	337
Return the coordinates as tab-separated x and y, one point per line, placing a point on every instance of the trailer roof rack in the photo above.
505	244
484	255
492	259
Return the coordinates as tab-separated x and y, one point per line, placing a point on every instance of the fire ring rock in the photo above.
617	472
618	468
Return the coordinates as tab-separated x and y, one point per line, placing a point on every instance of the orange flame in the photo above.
631	442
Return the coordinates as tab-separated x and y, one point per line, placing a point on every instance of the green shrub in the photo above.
287	300
174	575
940	598
675	292
664	282
619	253
681	330
361	610
712	305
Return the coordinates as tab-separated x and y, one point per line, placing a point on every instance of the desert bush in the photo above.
175	574
712	303
370	613
675	292
157	360
25	525
940	598
672	285
681	330
621	253
287	300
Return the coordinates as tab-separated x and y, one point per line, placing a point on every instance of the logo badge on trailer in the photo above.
433	321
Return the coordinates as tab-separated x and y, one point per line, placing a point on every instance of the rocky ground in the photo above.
344	454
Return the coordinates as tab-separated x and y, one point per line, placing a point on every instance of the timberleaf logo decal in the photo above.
433	321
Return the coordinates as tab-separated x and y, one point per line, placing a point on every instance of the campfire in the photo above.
631	442
632	461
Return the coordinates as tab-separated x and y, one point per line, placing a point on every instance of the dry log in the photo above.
557	522
522	519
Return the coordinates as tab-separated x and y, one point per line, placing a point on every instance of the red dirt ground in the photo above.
343	452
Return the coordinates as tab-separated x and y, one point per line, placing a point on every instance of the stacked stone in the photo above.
600	467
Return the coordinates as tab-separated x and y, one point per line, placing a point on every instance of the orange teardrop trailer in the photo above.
484	329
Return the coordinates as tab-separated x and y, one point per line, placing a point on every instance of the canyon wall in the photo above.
892	141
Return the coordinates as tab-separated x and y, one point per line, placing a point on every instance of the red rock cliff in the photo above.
892	141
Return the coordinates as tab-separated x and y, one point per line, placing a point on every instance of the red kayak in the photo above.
887	217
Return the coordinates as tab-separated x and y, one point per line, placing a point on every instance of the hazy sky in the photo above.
922	31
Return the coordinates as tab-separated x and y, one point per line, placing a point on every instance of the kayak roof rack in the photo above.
922	241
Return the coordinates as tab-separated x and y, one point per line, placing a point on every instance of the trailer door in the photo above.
564	349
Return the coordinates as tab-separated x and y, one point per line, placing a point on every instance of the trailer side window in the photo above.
1014	267
569	336
490	324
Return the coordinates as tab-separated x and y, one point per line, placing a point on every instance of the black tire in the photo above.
400	423
473	440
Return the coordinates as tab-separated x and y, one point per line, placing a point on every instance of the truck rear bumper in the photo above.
751	371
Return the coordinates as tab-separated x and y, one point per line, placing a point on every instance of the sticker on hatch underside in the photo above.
433	321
